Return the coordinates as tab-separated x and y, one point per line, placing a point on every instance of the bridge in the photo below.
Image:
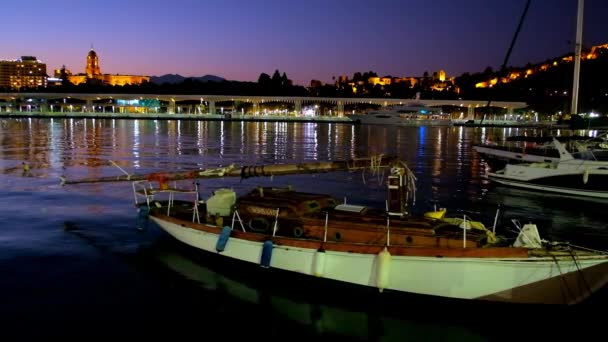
207	104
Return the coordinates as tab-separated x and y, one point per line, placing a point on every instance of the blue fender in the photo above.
266	254
222	240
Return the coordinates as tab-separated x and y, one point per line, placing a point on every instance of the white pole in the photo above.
276	222
388	231
577	57
325	233
495	220
464	232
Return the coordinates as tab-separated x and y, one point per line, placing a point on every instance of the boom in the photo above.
248	171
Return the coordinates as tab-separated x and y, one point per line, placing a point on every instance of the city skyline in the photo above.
239	40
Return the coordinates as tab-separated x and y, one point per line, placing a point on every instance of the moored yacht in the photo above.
412	114
497	156
567	175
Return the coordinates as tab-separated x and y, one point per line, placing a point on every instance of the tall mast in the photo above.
577	57
504	64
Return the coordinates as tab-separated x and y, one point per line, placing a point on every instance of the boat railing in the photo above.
388	230
145	189
464	225
586	154
276	223
235	217
142	189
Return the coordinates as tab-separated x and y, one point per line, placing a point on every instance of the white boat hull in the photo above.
396	120
411	114
512	155
519	280
572	177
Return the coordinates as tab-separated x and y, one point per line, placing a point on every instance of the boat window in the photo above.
338	236
313	205
259	224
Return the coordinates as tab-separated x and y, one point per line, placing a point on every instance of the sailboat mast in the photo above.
577	57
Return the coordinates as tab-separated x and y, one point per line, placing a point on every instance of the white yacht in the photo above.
412	114
567	175
497	156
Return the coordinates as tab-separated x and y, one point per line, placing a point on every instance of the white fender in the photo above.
384	269
318	263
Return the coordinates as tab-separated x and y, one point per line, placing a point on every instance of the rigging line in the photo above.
564	288
599	251
580	271
504	63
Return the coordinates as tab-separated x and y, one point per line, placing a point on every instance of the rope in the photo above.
375	163
579	270
570	245
375	167
410	179
559	269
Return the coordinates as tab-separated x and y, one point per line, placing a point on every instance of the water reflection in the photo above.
448	170
321	319
34	204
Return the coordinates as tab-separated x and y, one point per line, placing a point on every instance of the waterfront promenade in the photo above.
175	116
250	117
221	107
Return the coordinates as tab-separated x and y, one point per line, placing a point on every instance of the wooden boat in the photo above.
316	236
320	238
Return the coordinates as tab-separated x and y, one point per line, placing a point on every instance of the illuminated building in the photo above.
439	81
93	74
379	80
439	76
516	74
26	72
92	69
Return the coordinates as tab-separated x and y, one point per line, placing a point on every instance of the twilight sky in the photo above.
307	39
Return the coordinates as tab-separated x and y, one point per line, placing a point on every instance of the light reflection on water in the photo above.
34	243
448	169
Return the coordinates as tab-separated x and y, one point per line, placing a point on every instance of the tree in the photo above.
264	79
285	82
276	78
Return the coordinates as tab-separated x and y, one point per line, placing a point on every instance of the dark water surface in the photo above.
73	264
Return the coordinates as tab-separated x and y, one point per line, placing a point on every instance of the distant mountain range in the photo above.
174	78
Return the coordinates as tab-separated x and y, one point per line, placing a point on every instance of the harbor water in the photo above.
74	264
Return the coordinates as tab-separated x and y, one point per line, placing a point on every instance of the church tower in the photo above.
92	70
